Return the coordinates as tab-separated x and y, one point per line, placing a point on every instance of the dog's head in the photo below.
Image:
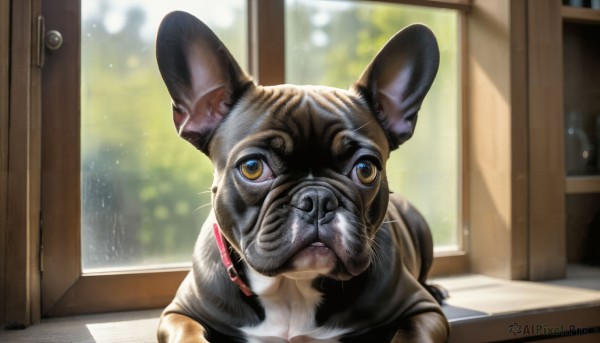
300	186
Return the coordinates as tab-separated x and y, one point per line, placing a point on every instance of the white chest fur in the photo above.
290	306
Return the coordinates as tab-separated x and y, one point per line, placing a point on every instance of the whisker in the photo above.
392	221
202	206
365	124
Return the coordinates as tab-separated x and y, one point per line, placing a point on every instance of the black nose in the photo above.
317	201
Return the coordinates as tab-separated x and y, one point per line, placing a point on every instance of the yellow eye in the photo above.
252	169
365	172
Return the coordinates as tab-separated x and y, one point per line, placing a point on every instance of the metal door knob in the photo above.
54	40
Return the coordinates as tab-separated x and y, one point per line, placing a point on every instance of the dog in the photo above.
305	242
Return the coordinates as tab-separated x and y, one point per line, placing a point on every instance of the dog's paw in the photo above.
438	292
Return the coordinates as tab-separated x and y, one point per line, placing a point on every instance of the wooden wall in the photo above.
497	171
514	135
547	219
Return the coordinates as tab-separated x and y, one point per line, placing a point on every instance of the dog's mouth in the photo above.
304	235
312	260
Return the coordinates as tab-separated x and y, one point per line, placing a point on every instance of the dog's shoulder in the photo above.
413	230
406	211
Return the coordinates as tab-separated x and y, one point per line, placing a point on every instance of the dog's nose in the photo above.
316	201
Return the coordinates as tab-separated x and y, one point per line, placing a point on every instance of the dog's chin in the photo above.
317	260
309	263
312	261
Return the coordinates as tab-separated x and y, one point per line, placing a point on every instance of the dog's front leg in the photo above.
430	327
175	327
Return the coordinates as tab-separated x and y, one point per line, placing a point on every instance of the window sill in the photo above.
485	309
137	326
480	308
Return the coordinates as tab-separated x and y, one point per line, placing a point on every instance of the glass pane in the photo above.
331	42
581	101
144	191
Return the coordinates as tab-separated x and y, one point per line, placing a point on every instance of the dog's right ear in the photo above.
203	78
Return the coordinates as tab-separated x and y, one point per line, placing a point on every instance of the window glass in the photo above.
331	42
145	192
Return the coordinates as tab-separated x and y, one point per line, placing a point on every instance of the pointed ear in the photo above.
204	80
397	80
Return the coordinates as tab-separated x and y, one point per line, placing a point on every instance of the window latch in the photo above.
51	40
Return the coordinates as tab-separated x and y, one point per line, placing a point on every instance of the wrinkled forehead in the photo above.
308	117
291	102
304	110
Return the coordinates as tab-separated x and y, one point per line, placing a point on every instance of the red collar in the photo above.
233	274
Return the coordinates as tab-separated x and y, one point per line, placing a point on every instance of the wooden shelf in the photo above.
582	184
581	15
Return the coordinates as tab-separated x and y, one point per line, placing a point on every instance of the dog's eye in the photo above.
255	170
365	172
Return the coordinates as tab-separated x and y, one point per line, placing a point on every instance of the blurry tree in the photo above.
144	190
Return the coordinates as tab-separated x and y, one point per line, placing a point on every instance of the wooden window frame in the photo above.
66	290
4	131
20	151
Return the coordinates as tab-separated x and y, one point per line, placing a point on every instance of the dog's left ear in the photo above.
397	80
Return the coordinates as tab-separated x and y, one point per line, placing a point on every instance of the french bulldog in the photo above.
305	242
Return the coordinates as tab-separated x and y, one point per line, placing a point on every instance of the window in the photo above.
144	194
134	195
